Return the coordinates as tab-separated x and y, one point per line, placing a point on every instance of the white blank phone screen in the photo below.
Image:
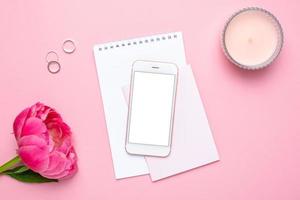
151	108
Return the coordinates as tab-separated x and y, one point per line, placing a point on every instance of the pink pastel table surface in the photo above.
254	116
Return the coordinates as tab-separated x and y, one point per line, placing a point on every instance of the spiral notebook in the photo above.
114	61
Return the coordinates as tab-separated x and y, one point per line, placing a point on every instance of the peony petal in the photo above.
57	164
60	134
34	126
35	109
72	171
64	146
34	157
69	171
65	129
53	116
62	167
72	167
60	176
43	115
32	140
19	122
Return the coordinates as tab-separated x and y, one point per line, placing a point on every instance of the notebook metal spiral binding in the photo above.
130	43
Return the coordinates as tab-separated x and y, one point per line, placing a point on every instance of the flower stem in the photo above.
10	164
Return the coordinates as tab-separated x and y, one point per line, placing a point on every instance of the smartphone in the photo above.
151	108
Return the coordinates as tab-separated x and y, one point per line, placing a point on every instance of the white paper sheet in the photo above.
114	61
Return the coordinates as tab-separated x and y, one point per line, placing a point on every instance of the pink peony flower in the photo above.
44	142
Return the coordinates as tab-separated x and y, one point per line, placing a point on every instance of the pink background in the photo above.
254	115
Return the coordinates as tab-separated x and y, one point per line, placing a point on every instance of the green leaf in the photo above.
17	170
10	164
27	175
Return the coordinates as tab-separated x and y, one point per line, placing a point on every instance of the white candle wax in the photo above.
252	38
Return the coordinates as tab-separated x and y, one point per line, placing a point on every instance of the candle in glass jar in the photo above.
252	38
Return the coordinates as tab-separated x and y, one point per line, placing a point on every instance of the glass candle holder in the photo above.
252	38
